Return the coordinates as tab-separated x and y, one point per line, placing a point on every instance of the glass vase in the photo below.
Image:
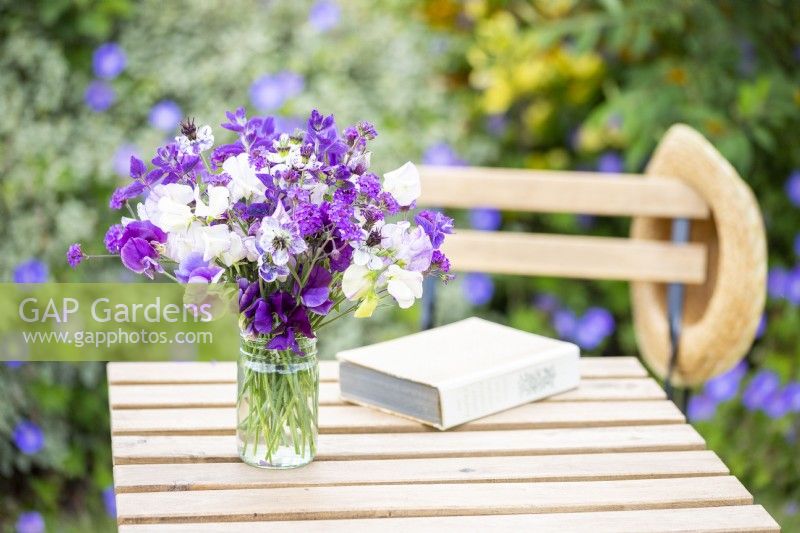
277	403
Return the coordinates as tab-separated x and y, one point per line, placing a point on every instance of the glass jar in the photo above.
277	403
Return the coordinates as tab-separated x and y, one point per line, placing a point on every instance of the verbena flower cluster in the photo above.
298	220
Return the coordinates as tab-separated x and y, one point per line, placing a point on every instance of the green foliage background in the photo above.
537	84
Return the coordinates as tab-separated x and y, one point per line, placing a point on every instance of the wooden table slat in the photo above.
601	466
728	519
215	449
225	371
164	396
384	501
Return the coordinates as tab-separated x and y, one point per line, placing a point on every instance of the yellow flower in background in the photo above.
538	114
497	98
555	8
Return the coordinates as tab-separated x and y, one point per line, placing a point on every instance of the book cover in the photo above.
450	375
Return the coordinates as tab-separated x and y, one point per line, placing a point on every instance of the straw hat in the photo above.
722	314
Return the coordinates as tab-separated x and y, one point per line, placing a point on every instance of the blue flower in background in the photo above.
122	159
478	288
442	154
165	115
496	124
324	15
288	123
793	187
14	364
762	326
700	408
99	96
776	404
792	393
108	61
485	218
593	328
792	289
610	162
726	386
796	246
270	91
776	282
759	389
110	501
28	437
585	222
545	302
31	271
747	57
564	322
30	522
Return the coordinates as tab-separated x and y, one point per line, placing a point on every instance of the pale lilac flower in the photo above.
700	408
165	115
28	437
478	288
108	61
269	92
610	163
793	187
99	96
194	269
30	522
485	218
75	255
411	247
324	15
31	271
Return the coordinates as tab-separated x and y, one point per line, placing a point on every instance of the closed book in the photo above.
452	374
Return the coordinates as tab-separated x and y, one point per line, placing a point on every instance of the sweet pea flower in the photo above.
403	184
436	225
357	282
405	286
244	182
194	269
139	256
167	207
411	247
218	202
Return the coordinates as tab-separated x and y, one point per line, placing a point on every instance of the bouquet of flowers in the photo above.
308	233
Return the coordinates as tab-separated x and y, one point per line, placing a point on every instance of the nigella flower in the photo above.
75	255
99	96
110	501
478	288
28	437
610	163
193	269
269	271
165	115
280	238
30	522
108	61
485	218
436	225
30	271
194	140
113	238
324	15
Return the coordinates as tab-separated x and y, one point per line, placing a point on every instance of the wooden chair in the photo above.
695	259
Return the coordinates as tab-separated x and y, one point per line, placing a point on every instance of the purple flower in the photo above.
496	124
108	61
700	408
292	319
762	326
123	194
165	115
759	389
110	501
143	229
565	323
593	327
726	386
122	158
270	91
269	271
793	286
610	163
139	256
315	292
31	271
75	255
113	238
485	218
793	187
442	154
747	57
30	522
14	364
777	280
776	405
99	96
193	269
545	302
248	297
279	238
324	15
28	437
436	225
792	393
478	288
262	317
585	222
440	262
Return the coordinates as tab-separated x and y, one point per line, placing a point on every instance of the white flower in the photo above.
404	285
244	182
211	241
167	206
202	141
236	250
367	256
218	202
357	282
403	184
216	240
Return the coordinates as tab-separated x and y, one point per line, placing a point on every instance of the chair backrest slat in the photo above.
544	191
570	256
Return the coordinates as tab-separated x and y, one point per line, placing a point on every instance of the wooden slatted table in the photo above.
612	455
